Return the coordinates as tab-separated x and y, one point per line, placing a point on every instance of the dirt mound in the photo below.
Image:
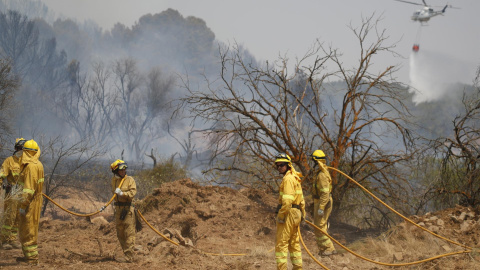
239	225
199	212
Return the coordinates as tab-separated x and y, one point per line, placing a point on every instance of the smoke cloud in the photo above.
432	74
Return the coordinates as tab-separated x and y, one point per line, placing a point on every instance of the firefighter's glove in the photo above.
320	213
22	211
279	220
118	191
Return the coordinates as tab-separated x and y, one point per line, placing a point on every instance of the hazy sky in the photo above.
272	27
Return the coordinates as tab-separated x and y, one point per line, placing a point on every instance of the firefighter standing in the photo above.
31	179
291	210
322	199
9	173
124	208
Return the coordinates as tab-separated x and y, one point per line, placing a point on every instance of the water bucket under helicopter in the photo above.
416	47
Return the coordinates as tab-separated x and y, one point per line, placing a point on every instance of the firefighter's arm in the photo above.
129	188
3	172
287	198
302	207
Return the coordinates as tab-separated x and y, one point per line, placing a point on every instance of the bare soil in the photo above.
223	228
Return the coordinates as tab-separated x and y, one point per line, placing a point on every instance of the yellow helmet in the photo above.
281	157
118	165
19	142
318	155
30	145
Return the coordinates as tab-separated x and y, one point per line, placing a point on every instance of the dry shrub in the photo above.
414	244
167	171
261	251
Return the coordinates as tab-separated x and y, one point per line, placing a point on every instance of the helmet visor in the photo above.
122	166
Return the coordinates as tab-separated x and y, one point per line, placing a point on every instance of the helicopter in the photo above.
424	15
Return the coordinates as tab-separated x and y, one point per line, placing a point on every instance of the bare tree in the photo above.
64	163
188	145
460	153
356	116
37	63
139	114
9	84
87	104
17	39
115	104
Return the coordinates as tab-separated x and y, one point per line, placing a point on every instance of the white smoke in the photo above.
432	75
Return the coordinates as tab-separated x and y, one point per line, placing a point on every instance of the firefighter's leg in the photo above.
29	230
294	241
126	230
9	230
323	242
129	229
281	246
329	248
120	227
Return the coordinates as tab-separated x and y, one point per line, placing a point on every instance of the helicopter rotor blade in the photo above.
450	6
408	2
424	3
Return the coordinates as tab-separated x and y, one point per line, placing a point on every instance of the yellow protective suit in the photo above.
322	199
31	178
9	172
287	238
126	227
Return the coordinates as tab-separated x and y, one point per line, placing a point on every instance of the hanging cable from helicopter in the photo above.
416	44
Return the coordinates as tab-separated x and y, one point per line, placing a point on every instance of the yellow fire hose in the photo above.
381	263
306	249
155	230
85	215
396	212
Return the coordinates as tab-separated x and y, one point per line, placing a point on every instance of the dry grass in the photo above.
413	244
261	251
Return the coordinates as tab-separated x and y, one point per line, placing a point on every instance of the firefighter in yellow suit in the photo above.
322	199
31	179
291	211
8	179
124	208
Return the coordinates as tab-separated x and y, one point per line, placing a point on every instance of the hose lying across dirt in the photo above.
85	215
468	249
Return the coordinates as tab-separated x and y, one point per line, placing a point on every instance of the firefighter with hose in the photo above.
124	208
